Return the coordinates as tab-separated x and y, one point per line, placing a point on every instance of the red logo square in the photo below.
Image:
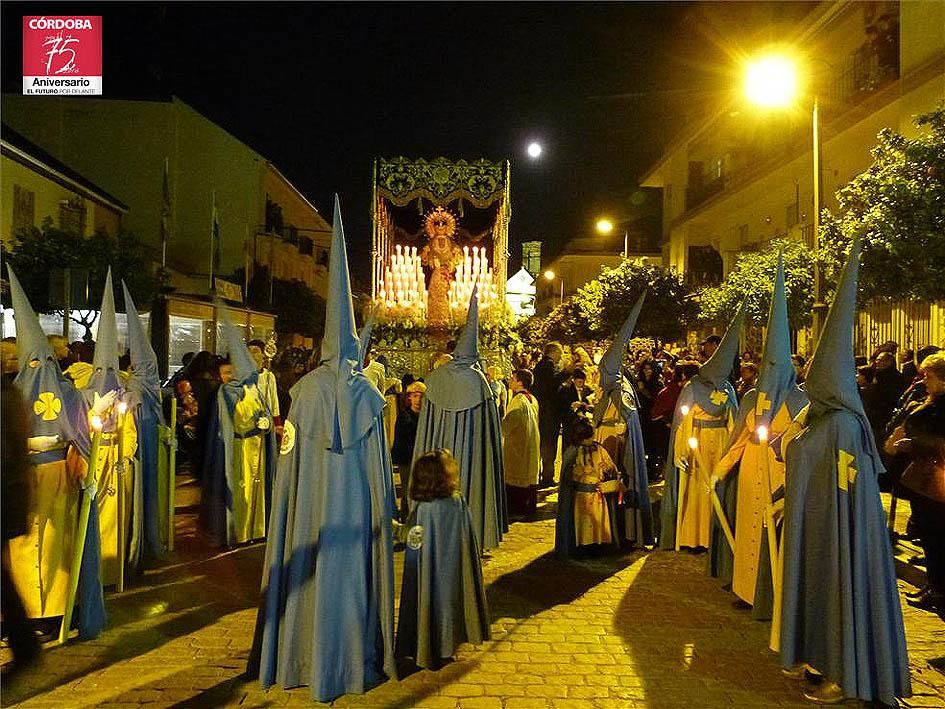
62	55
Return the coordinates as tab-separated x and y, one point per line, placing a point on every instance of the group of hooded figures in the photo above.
781	490
95	448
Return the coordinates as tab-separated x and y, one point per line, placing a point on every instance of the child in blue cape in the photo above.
442	600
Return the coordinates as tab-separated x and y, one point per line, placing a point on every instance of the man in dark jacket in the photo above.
405	434
549	376
888	385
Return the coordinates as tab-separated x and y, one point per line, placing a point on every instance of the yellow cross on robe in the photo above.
763	404
718	397
846	471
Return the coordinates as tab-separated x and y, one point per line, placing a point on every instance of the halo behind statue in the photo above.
439	217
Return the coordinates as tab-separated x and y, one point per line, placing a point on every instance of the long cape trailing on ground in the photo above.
841	611
762	406
711	391
618	390
219	474
46	385
326	615
144	384
459	413
442	600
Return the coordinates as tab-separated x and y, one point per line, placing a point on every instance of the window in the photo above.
24	209
72	217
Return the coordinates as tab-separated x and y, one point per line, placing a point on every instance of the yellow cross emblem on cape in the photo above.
718	397
47	406
846	471
763	404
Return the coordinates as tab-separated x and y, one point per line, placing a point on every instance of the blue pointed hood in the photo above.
365	337
105	363
143	359
719	366
341	340
244	366
831	377
467	346
31	342
777	378
357	403
612	362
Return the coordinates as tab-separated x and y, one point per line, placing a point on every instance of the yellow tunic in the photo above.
41	559
247	474
753	496
611	433
591	517
694	499
520	450
107	477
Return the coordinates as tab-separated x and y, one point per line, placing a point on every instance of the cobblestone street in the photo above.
645	630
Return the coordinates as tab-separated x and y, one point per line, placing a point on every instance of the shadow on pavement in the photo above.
547	582
188	591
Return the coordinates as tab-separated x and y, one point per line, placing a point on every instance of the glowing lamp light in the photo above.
96	422
604	226
549	275
534	150
762	433
684	410
693	443
771	81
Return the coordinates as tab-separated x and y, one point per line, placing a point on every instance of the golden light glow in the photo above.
771	81
604	226
762	433
549	275
693	443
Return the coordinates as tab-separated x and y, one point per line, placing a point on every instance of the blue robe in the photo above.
326	615
144	386
840	611
459	413
442	599
218	519
697	391
636	498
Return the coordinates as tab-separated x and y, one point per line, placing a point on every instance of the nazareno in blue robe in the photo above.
841	610
326	613
144	384
459	414
217	513
442	599
72	427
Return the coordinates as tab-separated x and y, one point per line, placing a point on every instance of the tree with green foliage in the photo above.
599	308
40	255
897	209
752	279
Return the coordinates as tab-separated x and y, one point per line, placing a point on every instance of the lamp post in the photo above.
605	226
550	276
771	82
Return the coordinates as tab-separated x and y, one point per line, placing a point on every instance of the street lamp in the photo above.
550	276
605	226
771	82
534	150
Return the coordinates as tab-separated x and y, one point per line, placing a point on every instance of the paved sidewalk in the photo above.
646	630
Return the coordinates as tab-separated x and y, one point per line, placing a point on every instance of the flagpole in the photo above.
165	215
213	219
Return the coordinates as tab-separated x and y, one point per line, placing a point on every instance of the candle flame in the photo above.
684	410
693	443
96	422
122	407
762	433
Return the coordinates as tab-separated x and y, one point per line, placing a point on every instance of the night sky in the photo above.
321	89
